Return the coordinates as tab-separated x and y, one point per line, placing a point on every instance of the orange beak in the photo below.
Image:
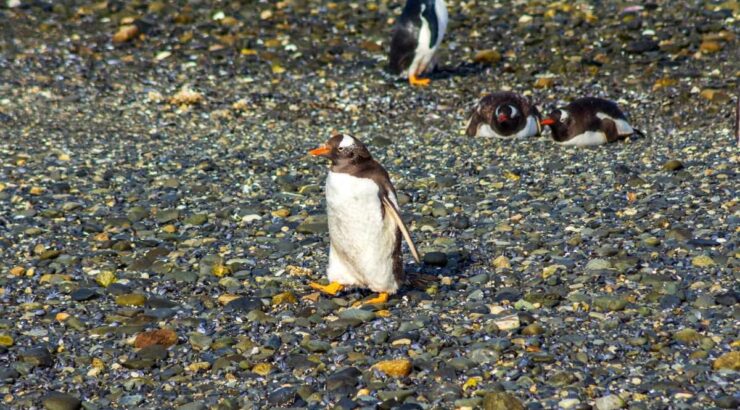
503	118
547	121
322	150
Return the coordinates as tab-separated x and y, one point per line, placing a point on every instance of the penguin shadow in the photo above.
420	276
461	70
443	73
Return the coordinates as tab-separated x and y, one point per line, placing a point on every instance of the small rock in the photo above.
598	264
38	356
435	258
83	294
702	261
358	314
673	165
533	330
394	368
487	57
125	33
502	262
61	401
163	337
544	82
243	304
610	303
687	336
131	299
200	341
610	402
501	401
728	361
285	298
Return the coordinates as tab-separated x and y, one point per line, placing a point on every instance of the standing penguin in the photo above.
589	121
416	37
365	226
504	115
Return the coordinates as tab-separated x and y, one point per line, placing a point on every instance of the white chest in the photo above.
587	139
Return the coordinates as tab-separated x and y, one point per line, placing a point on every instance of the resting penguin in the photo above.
504	115
589	121
416	37
365	226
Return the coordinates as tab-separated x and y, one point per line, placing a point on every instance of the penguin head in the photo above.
343	149
559	121
506	114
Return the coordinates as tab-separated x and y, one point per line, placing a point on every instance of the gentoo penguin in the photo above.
504	115
365	226
416	37
589	121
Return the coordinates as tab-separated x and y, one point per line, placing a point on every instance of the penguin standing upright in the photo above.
589	121
365	226
416	37
504	115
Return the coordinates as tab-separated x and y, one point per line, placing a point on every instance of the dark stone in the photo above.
243	304
460	222
8	375
642	46
726	299
83	294
343	381
153	352
670	302
38	356
435	259
345	404
282	396
703	242
727	402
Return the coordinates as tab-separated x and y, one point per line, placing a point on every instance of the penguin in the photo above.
365	225
504	115
589	121
416	37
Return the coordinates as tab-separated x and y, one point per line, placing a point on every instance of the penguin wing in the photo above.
391	210
403	46
473	122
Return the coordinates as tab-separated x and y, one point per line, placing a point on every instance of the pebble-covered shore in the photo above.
160	220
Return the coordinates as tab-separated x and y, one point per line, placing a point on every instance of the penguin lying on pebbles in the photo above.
365	225
504	115
589	121
416	37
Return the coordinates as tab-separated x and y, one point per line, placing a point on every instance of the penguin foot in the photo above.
381	298
416	81
331	289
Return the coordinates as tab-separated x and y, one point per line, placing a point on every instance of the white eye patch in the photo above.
347	141
564	116
514	111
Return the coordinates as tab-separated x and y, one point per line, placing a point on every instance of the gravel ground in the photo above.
160	220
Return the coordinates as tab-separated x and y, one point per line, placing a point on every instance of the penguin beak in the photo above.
322	150
502	118
547	121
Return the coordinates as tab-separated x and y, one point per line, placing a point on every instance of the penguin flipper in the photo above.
473	122
393	212
403	45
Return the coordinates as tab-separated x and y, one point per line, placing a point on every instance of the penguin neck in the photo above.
350	166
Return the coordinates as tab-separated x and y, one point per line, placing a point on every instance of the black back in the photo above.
406	33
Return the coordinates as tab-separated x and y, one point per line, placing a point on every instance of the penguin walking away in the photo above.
589	121
416	37
504	115
365	226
